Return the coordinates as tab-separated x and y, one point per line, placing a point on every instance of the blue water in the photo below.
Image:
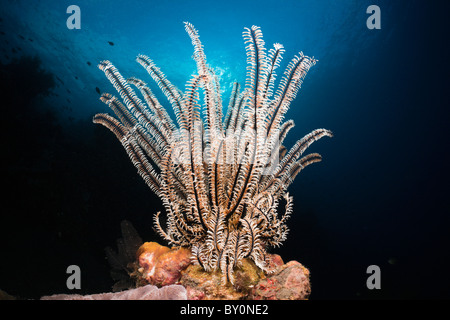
378	197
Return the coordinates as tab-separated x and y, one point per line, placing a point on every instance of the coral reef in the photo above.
203	285
154	266
289	281
162	266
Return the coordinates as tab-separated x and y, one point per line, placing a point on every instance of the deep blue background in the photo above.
380	196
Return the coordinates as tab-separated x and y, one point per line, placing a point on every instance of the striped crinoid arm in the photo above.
199	54
276	230
112	124
140	161
231	106
213	131
251	164
133	149
139	130
170	91
209	252
287	90
210	82
196	183
274	59
138	110
183	226
257	74
145	139
135	113
290	165
154	104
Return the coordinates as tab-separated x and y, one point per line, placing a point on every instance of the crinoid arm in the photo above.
220	178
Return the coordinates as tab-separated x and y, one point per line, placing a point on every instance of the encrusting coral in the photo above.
221	178
162	266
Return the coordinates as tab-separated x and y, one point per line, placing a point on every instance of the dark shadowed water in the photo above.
379	197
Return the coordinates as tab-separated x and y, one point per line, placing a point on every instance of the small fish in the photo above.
97	89
111	43
31	40
393	261
68	91
2	33
76	78
89	63
21	37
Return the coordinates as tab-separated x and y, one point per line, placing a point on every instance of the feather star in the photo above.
220	177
